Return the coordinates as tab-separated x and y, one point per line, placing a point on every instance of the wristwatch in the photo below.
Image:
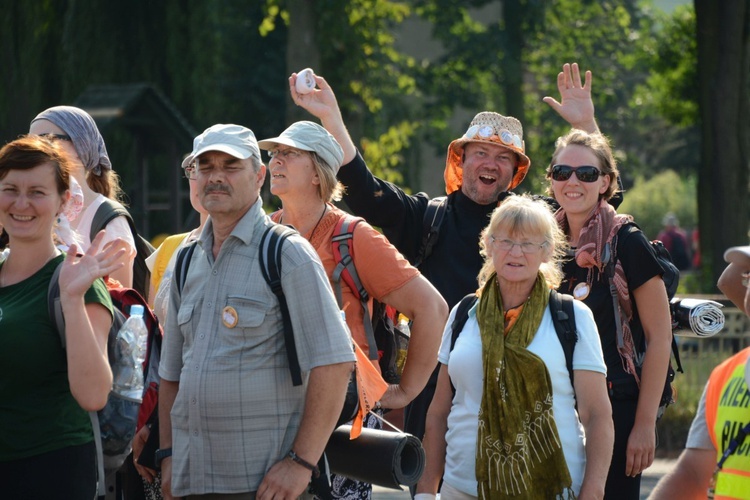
160	455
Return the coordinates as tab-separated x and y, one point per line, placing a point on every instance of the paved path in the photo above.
650	477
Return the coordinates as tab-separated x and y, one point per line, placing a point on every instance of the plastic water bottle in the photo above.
130	353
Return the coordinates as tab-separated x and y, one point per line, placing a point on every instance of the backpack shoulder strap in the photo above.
182	264
270	265
342	243
564	319
462	315
53	304
433	219
459	321
107	211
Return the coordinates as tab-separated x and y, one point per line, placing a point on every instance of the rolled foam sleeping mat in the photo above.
382	458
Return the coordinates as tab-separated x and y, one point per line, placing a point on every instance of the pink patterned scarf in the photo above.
598	230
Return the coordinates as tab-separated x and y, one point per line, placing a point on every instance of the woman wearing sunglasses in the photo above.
583	176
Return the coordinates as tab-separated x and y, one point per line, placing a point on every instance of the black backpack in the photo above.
563	317
108	211
671	278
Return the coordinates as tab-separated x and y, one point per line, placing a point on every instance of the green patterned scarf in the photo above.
519	454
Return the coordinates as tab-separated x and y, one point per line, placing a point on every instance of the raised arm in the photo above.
87	325
575	106
381	203
322	104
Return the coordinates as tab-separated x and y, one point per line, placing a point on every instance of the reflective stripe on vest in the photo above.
728	411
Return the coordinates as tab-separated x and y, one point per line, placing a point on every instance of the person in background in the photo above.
303	166
516	427
583	175
230	419
716	460
480	168
47	446
161	264
675	241
79	136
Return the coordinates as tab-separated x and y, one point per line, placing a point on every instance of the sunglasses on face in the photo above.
585	173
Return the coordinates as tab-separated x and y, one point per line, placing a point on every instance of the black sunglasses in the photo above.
585	173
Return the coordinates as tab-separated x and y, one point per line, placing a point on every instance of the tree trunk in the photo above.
511	63
302	49
724	71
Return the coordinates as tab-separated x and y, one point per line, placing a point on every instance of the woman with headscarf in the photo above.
583	177
79	136
516	426
46	387
303	166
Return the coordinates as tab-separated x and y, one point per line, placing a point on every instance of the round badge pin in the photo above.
229	317
581	291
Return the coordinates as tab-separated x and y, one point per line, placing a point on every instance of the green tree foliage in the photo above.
650	199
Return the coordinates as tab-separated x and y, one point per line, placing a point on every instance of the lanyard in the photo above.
733	445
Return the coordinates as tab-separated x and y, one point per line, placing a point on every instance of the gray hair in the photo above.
523	215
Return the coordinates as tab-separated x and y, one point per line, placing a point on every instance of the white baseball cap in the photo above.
234	140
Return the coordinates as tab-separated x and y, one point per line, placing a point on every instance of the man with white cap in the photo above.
481	167
716	459
239	428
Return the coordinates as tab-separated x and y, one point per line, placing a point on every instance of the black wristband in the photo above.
304	463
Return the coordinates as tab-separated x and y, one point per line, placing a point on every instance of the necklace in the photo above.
312	233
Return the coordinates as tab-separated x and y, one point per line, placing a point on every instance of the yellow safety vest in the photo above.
728	411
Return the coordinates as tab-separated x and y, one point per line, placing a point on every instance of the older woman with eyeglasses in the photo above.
303	166
510	426
583	175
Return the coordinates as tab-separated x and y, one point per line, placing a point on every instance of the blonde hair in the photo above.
522	215
599	145
329	189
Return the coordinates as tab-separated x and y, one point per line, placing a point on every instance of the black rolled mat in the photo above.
383	458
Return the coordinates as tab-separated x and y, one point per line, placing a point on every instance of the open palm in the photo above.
576	106
79	272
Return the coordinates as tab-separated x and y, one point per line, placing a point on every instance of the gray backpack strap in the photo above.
342	239
54	308
102	489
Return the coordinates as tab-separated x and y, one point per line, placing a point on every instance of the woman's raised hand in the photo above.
320	102
576	107
78	272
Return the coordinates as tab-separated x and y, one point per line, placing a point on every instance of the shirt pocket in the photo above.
248	312
243	329
184	320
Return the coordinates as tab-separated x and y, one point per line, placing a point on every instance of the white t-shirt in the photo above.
465	368
117	227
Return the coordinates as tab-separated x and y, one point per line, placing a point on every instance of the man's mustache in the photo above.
216	188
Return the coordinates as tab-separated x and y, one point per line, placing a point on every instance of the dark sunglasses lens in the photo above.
561	172
587	174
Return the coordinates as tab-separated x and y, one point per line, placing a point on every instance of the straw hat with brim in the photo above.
738	255
309	136
492	128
